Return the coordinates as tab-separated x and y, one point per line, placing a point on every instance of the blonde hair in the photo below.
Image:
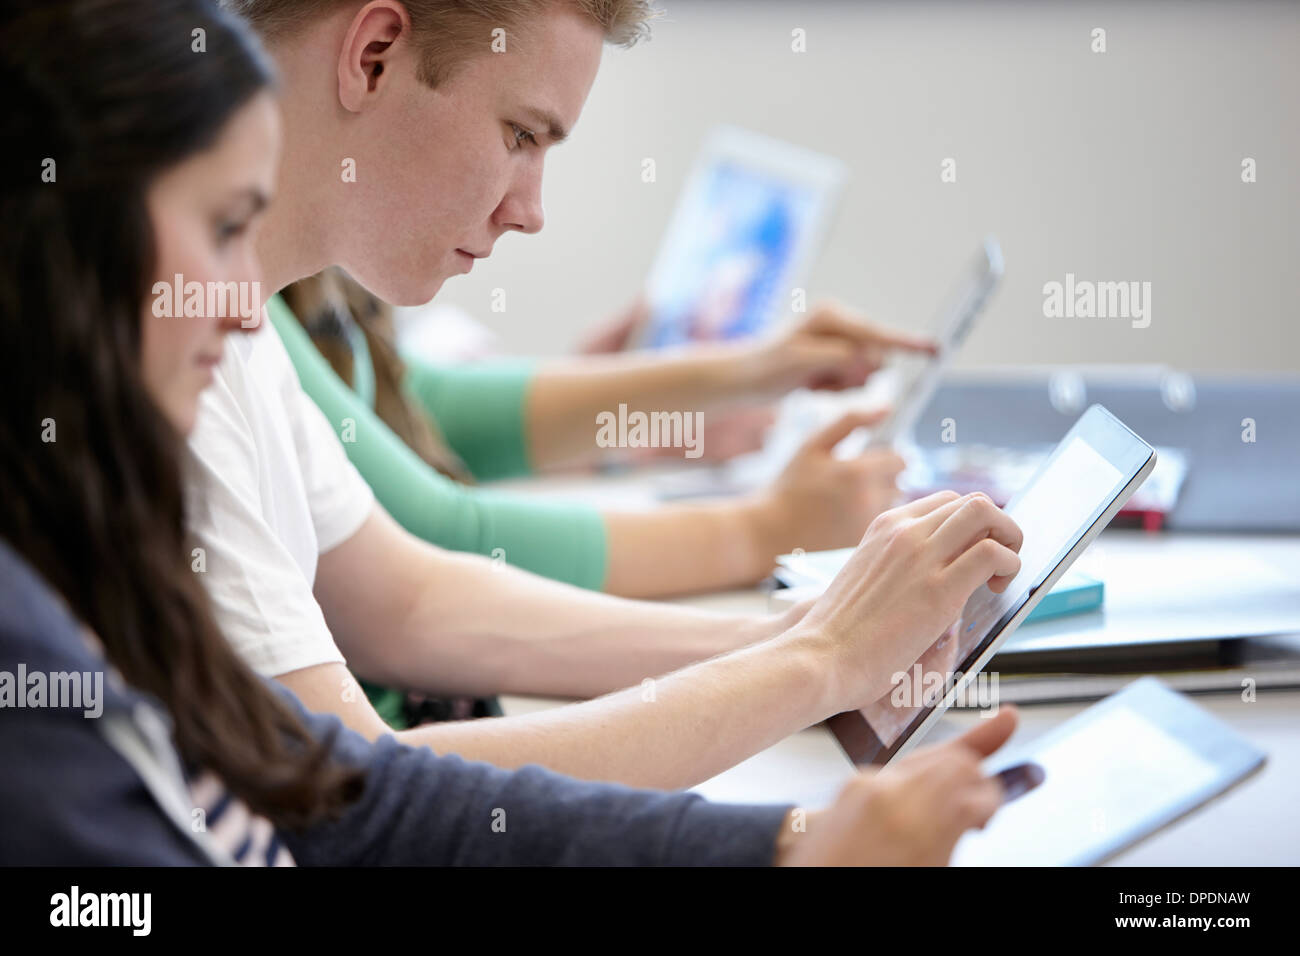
449	32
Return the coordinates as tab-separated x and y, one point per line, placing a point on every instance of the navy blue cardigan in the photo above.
67	796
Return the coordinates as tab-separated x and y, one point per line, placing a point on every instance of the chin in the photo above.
183	418
403	293
419	293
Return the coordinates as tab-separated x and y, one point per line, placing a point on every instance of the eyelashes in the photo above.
523	135
226	231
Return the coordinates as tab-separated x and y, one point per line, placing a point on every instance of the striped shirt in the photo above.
231	827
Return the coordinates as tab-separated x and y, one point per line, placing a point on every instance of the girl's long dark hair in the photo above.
102	96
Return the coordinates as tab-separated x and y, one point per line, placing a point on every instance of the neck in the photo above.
295	240
292	244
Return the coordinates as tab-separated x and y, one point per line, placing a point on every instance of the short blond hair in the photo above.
449	32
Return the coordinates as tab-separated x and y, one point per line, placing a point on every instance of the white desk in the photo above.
1255	824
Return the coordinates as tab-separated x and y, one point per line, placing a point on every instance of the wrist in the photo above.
795	830
784	846
808	647
767	367
741	367
763	531
757	628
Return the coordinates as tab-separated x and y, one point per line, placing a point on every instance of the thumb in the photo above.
988	735
831	435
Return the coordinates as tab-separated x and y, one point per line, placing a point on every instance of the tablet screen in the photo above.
1113	775
725	267
1091	466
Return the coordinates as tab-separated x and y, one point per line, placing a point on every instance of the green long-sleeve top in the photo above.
480	410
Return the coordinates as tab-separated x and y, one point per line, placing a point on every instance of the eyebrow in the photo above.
555	130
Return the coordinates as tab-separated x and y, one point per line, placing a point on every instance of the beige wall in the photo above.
1116	166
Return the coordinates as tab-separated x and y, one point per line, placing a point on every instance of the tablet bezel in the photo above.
1120	446
822	174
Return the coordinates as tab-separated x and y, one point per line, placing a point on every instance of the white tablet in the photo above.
1073	495
748	222
920	375
1113	775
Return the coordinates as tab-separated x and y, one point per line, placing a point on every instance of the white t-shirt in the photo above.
269	489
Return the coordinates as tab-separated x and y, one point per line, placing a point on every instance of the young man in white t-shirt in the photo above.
304	567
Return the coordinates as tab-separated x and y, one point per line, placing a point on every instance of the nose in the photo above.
239	323
245	313
521	209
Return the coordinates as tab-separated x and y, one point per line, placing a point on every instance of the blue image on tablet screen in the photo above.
721	277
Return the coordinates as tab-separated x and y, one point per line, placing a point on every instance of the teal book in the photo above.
1075	593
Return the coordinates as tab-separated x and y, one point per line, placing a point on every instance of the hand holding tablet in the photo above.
913	812
1115	774
1074	494
1081	793
908	581
830	349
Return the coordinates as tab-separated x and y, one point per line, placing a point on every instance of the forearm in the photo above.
528	635
566	395
407	614
670	732
422	809
681	549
